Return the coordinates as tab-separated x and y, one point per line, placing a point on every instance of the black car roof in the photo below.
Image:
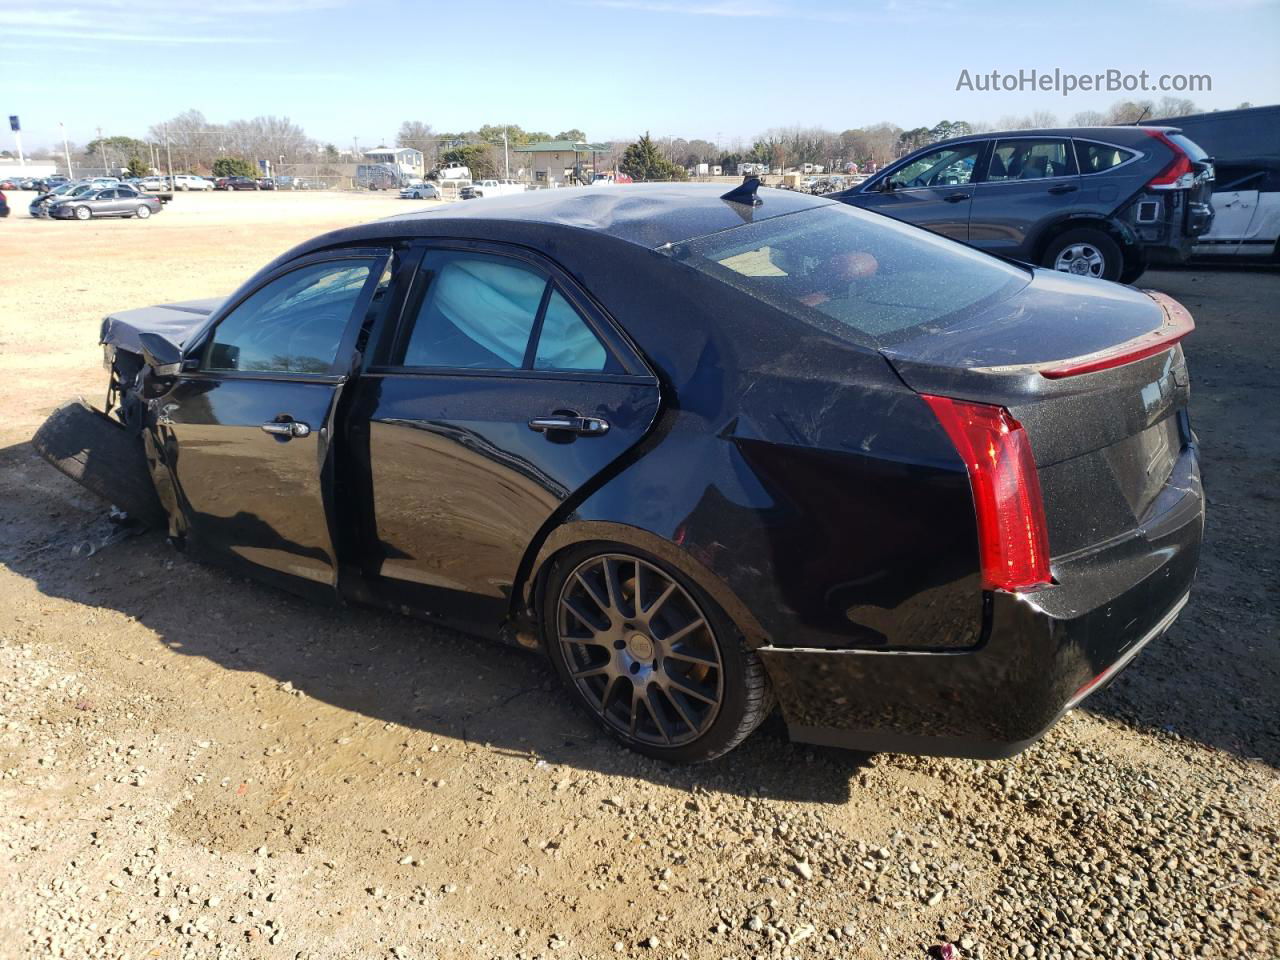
646	214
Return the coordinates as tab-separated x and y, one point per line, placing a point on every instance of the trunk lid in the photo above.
1105	437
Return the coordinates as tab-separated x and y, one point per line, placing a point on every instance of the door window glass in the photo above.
1096	157
949	166
1029	159
294	324
477	312
566	342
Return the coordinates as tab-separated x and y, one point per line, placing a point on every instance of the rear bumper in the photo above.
1043	652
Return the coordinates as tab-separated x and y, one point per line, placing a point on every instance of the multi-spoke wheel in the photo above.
1084	252
653	659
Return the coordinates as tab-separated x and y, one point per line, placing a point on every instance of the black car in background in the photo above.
1094	201
236	183
705	450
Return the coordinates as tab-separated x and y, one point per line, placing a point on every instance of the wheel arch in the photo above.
527	592
1129	243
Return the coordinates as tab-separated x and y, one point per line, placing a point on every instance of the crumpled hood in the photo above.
173	321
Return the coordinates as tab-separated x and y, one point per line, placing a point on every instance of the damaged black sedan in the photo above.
709	452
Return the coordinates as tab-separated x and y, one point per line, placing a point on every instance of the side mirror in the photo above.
163	356
885	185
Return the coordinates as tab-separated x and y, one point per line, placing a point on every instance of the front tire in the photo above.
650	655
1084	252
84	213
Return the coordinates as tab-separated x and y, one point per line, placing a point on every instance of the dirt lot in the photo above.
193	765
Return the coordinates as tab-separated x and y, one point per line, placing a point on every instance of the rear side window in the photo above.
1027	159
1097	157
482	312
858	275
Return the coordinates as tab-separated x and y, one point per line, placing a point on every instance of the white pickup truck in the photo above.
491	188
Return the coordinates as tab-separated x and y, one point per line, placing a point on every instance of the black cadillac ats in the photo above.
711	453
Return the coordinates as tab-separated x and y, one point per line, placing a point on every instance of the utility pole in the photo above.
169	153
66	150
106	171
506	154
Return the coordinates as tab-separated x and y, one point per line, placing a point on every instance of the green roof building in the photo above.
561	162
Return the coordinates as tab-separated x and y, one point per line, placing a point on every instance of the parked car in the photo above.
1246	205
9	185
121	201
266	183
706	450
4	205
39	207
491	188
420	191
186	181
237	183
1094	201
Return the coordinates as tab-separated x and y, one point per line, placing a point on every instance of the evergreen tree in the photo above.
642	161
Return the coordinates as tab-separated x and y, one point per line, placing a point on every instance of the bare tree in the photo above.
1088	118
1175	107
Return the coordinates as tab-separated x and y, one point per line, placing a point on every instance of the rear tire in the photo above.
1084	252
143	212
632	674
103	457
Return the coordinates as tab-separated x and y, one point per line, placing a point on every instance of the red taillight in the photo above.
1013	542
1177	324
1177	174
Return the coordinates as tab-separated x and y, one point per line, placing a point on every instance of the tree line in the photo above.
199	145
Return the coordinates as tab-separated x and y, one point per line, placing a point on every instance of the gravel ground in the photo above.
192	765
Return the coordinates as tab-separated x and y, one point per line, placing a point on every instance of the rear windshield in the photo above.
858	275
1193	149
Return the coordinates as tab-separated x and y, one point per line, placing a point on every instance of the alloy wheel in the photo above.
1081	259
640	650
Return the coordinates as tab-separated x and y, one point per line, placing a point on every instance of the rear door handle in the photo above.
582	426
1064	188
956	197
286	428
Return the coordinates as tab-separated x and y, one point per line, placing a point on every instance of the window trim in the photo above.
1134	155
340	369
611	336
1069	152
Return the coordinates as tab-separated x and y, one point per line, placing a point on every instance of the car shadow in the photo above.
380	665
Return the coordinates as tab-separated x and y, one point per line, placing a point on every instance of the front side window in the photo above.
1027	159
860	276
481	312
949	166
294	324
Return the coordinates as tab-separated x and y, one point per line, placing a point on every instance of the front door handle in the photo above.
286	428
582	426
1064	188
956	197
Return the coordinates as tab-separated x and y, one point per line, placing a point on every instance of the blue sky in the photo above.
702	68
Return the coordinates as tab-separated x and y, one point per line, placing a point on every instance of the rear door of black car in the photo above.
246	433
502	391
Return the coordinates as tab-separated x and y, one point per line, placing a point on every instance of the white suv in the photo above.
185	181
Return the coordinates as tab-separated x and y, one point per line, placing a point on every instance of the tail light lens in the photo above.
1013	541
1178	174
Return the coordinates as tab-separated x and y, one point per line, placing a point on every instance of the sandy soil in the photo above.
195	765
